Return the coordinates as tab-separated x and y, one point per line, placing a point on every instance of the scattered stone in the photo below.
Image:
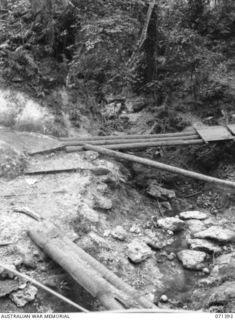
102	187
22	297
204	245
158	244
171	256
171	223
222	294
107	233
138	251
193	215
158	192
7	286
119	233
166	207
192	259
206	270
102	203
217	233
91	155
88	213
195	226
164	298
135	229
100	171
28	261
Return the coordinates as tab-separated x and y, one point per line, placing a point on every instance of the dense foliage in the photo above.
87	45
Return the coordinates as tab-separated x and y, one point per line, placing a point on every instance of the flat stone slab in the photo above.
195	226
204	245
217	233
193	215
138	251
172	223
192	259
7	286
222	294
22	297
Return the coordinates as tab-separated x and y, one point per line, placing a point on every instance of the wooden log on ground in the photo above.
161	166
110	276
135	136
86	270
141	145
125	141
49	239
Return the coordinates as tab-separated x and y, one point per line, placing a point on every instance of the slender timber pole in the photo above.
161	166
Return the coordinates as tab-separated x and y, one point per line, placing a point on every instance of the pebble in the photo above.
119	233
138	251
164	298
206	270
172	224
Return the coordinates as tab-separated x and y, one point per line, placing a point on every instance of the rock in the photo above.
193	215
100	171
195	226
91	155
138	251
88	213
102	188
158	192
158	244
222	294
171	223
206	270
164	298
135	229
7	286
204	245
102	203
22	297
166	207
28	261
217	233
192	259
171	256
119	233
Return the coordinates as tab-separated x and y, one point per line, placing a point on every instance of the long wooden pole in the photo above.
48	237
135	136
125	141
110	276
140	145
161	166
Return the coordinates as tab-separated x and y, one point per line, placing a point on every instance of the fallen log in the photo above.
110	276
161	166
50	239
126	141
135	136
140	145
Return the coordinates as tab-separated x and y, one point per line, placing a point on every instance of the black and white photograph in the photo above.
117	159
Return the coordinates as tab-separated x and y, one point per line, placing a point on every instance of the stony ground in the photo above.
158	242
